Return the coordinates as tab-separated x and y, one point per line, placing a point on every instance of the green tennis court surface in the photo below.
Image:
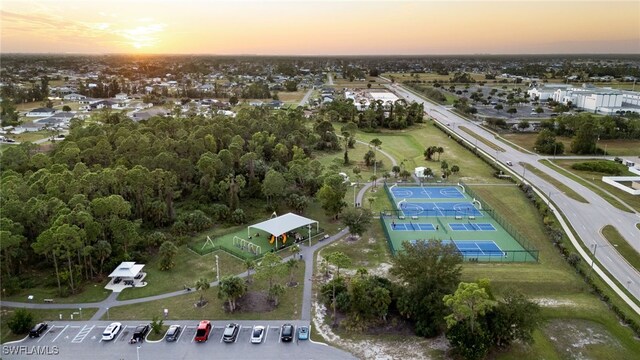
475	232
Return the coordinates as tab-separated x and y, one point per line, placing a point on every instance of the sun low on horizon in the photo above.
319	28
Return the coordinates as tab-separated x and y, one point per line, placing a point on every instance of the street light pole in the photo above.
593	260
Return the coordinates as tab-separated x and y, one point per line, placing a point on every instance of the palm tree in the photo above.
295	250
202	285
439	150
230	289
250	264
291	264
275	292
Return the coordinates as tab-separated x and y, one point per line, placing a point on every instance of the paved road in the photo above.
586	219
330	79
306	97
82	340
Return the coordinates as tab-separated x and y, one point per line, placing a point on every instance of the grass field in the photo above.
408	146
375	82
553	181
614	147
593	181
368	252
622	246
40	315
400	77
32	136
182	307
189	267
293	97
43	286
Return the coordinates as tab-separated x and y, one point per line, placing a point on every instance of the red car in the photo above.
204	329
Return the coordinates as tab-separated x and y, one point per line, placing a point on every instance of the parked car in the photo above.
173	333
303	333
230	333
257	335
509	163
203	331
140	333
37	330
286	334
111	331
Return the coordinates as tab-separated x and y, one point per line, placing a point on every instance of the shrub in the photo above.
21	322
600	166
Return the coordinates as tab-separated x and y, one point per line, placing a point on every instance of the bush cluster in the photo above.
600	166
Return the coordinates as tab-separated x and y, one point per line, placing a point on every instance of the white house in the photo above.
41	112
122	96
74	97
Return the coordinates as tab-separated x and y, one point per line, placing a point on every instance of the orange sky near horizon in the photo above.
319	27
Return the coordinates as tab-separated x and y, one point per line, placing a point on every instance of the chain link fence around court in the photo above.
528	254
506	225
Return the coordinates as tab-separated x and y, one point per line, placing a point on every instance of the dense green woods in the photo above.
100	195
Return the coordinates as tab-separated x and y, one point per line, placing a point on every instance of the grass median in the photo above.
481	139
622	246
557	184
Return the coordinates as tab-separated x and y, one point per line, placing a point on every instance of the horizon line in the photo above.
314	55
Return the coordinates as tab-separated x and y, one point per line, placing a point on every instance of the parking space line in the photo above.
266	334
280	336
194	335
181	332
45	334
239	329
121	333
222	336
56	338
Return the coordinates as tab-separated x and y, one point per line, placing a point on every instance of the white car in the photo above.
257	335
111	331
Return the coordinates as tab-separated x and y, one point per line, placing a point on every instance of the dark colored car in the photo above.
204	328
37	330
140	333
173	333
286	334
230	333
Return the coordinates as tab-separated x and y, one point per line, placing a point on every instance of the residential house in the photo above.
41	112
74	97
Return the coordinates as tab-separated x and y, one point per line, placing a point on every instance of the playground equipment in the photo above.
273	238
247	245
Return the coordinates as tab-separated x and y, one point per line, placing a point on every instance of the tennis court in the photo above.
475	247
471	227
431	192
412	227
430	209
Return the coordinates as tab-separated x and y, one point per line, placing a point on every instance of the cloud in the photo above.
72	31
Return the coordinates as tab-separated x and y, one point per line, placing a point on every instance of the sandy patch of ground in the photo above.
553	302
572	338
375	347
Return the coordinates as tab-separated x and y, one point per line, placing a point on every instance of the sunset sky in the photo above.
308	27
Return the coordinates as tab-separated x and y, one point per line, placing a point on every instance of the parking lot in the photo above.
83	340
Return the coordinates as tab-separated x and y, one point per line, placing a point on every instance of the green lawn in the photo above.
182	307
622	246
40	315
188	269
43	286
593	181
613	147
367	252
559	185
32	136
407	147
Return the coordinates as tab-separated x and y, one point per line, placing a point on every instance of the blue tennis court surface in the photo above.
412	227
474	247
472	227
439	209
443	192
